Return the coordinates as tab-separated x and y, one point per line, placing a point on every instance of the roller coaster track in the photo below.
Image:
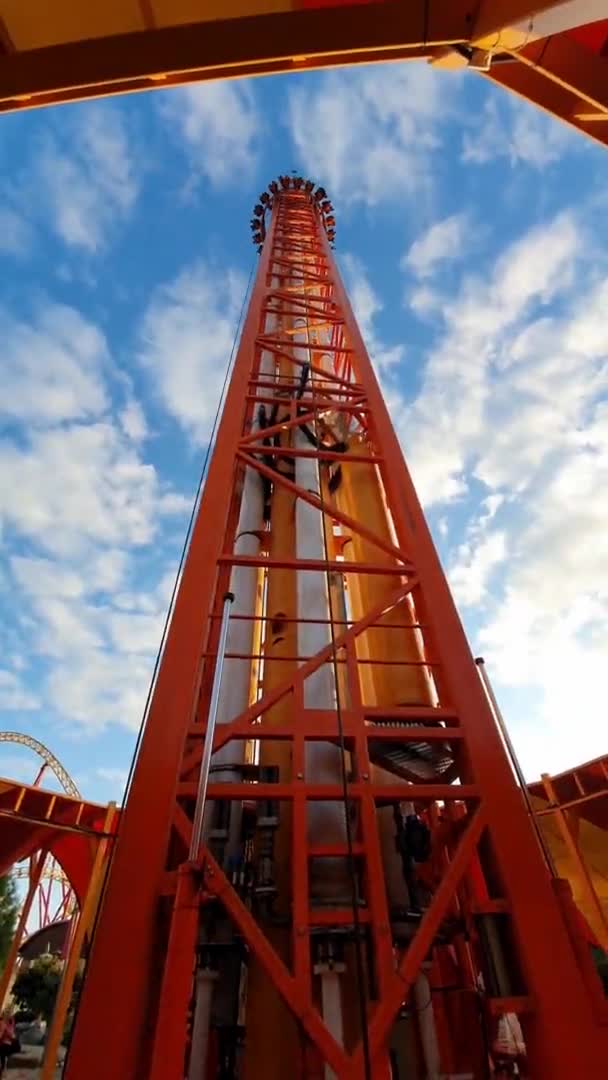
51	873
45	754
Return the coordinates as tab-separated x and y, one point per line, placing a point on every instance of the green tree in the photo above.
35	988
9	913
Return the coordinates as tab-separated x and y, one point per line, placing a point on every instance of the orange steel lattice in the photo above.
67	828
54	900
71	834
300	938
572	809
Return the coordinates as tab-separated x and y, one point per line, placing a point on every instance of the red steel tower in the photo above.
326	866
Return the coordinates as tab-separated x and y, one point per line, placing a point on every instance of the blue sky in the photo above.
472	232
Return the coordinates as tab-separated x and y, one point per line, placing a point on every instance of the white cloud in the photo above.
75	486
442	242
113	775
43	577
116	778
100	657
548	634
219	125
477	559
514	399
104	688
370	134
114	671
85	178
77	498
187	336
471	573
150	601
15	232
424	301
14	697
135	633
445	428
367	306
133	421
516	130
63	356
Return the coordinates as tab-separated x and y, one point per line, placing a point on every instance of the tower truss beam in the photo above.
363	827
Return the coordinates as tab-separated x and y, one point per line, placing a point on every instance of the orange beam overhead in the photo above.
546	84
69	51
565	62
259	41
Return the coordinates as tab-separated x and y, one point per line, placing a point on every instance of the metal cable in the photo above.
360	967
161	647
186	545
352	870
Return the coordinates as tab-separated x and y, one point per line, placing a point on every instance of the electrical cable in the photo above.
314	439
159	655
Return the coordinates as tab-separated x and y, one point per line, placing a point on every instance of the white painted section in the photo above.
426	1027
234	691
243	583
197	1069
326	822
323	761
331	1006
312	584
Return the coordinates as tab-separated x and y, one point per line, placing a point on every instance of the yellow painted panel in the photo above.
33	24
174	12
593	846
359	495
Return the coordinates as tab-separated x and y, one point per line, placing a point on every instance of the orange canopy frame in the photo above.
552	52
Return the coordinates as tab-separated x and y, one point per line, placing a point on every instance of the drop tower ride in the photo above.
326	867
